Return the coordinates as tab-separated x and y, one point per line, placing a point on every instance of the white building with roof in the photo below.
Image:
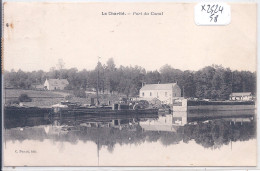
164	92
55	84
241	96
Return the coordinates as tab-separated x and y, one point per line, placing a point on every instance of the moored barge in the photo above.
115	109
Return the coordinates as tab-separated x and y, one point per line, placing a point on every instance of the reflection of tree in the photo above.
218	132
212	134
20	120
168	138
153	136
28	133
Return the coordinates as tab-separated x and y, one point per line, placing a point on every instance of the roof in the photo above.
158	86
241	94
58	81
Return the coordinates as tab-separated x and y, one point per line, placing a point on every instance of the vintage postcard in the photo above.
129	84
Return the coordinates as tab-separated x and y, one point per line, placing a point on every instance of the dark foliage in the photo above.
24	98
68	97
80	93
211	82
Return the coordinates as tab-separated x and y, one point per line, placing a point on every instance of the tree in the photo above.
80	93
111	64
24	98
153	77
60	64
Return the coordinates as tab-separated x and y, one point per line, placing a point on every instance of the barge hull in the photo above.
221	107
107	112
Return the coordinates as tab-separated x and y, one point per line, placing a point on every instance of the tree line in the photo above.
211	82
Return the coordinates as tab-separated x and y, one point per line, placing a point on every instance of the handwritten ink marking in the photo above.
211	17
203	8
213	10
212	13
216	18
216	9
208	8
221	9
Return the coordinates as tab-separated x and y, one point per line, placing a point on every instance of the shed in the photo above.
241	96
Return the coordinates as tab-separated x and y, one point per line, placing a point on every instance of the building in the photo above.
241	96
164	92
166	123
55	84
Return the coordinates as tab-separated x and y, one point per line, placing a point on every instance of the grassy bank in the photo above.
15	93
48	98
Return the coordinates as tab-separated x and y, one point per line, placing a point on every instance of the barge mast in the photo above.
98	79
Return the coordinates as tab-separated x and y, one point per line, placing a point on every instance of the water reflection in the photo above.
107	131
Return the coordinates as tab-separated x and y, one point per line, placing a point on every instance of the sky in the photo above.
39	34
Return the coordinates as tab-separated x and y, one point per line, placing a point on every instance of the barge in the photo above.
214	109
115	109
206	106
42	112
12	111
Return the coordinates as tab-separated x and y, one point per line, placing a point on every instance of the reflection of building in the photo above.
123	123
241	96
164	92
94	124
56	84
179	118
55	130
115	123
166	123
239	120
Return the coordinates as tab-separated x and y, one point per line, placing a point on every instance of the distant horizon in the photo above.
118	66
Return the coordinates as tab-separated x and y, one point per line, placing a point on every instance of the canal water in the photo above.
138	140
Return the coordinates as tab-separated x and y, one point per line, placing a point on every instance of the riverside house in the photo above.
166	93
55	84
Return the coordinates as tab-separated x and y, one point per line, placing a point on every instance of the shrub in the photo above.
68	97
24	98
80	93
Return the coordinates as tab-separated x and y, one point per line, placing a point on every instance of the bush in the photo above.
68	87
80	93
24	98
68	97
12	102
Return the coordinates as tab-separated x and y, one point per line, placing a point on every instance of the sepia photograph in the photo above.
129	84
